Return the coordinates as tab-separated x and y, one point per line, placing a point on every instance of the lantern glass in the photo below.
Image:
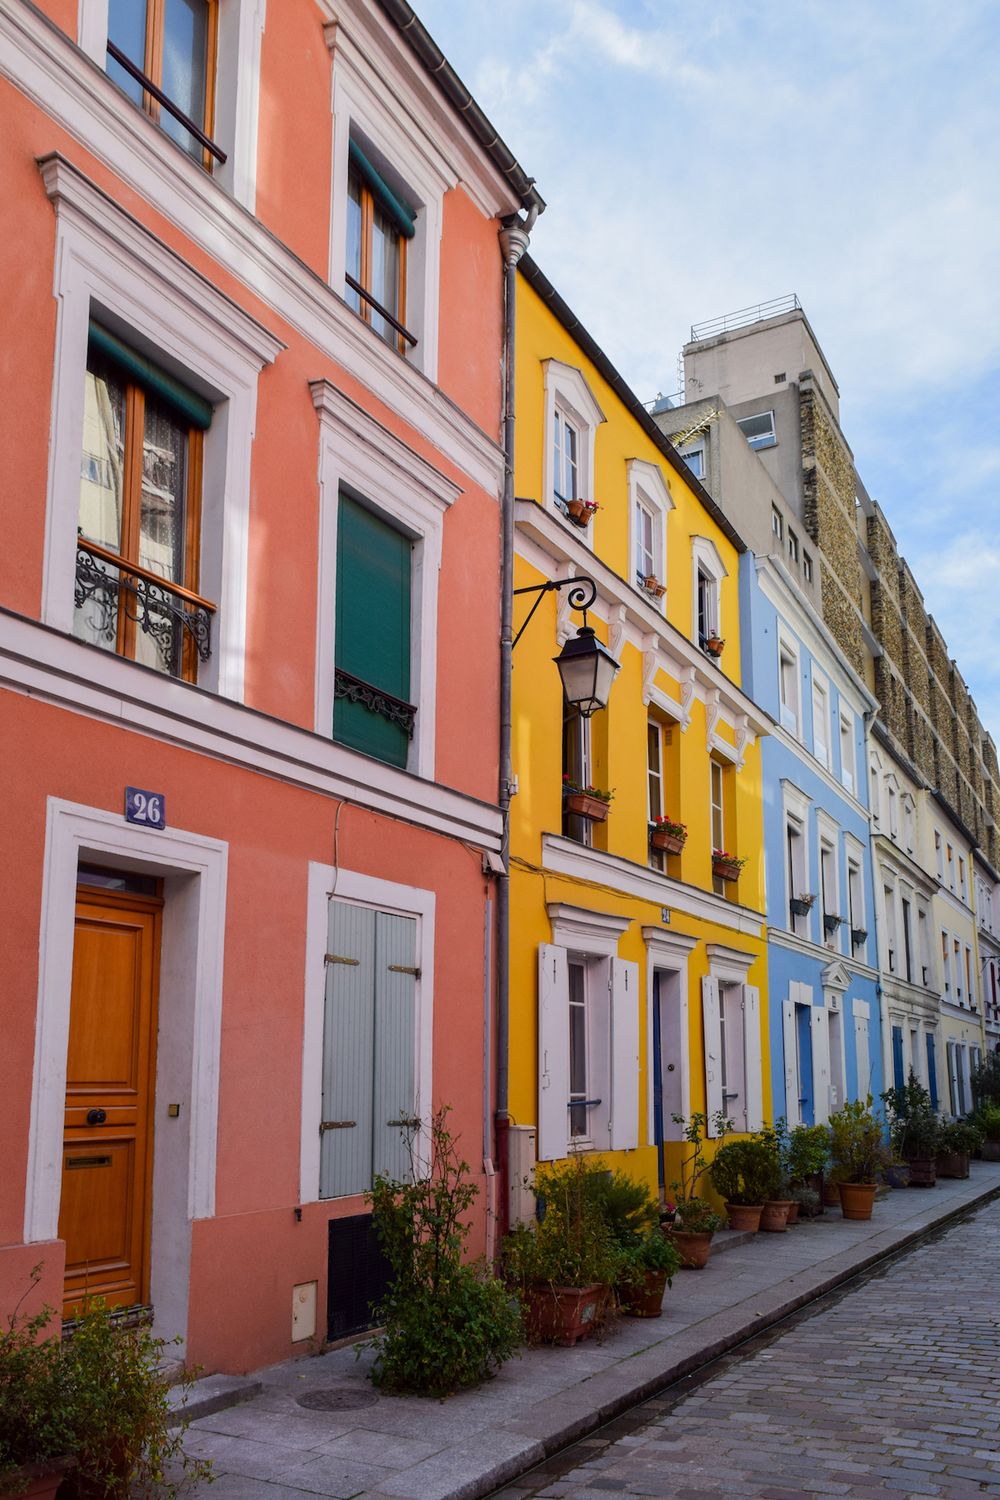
587	669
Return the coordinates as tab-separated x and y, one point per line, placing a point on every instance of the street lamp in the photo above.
586	666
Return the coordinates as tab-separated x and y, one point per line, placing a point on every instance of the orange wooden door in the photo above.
111	1069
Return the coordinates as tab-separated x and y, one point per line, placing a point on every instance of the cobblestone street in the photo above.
893	1389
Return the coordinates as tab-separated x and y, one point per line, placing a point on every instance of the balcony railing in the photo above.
356	690
165	612
165	102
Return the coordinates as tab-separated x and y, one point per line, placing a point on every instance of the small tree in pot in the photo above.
694	1219
857	1148
956	1144
914	1129
745	1174
988	1119
36	1427
807	1160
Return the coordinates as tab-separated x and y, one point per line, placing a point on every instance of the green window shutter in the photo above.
373	630
194	409
395	208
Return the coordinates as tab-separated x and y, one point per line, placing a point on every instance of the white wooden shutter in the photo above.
862	1055
821	1064
753	1061
624	1125
713	1049
792	1108
553	1052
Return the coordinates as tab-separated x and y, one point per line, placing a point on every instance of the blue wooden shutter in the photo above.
395	1038
373	627
898	1072
932	1087
348	1042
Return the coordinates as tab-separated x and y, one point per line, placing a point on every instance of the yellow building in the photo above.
638	977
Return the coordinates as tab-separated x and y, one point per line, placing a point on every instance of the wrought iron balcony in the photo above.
165	612
356	690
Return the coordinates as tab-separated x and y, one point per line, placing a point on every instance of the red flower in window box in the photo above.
581	511
589	802
666	835
726	866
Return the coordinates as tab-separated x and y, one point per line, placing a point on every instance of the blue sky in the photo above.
698	158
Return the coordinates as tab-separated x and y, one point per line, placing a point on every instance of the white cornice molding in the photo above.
890	855
589	931
781	938
58	670
665	944
561	856
66	85
816	767
542	540
732	964
402	465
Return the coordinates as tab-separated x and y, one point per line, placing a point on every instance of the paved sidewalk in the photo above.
274	1448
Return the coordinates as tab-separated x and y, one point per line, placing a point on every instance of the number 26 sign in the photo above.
146	808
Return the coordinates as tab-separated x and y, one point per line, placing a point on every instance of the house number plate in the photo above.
147	808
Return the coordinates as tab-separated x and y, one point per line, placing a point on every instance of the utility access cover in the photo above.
337	1398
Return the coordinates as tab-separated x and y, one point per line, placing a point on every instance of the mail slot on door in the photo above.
87	1161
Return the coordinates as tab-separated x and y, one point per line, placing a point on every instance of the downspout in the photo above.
514	236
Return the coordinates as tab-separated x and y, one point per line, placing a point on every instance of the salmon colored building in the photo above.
249	594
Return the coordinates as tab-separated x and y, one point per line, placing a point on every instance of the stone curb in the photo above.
211	1394
569	1416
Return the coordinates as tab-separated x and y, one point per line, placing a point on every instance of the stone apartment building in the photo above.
927	745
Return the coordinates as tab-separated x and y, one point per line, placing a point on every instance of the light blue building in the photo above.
822	951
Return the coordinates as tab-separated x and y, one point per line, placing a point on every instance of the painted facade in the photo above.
188	339
638	979
825	1033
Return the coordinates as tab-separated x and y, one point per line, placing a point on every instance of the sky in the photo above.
698	157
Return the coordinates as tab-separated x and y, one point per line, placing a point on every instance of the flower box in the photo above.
725	868
564	1314
665	839
831	923
801	906
859	935
583	805
581	511
653	587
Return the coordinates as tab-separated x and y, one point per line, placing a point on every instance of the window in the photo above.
649	507
807	567
371	710
855	905
759	430
847	761
956	969
661	790
139	526
891	942
369	1047
173	42
891	805
970	988
706	607
829	896
645	557
908	822
939	855
708	573
718	817
578	1070
576	766
788	687
695	460
795	850
907	941
876	800
949	861
731	1023
961	877
777	522
793	546
945	963
821	723
379	224
565	461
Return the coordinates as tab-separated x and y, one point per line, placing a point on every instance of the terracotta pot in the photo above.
715	645
594	809
693	1246
564	1314
856	1199
725	870
644	1299
953	1164
654	588
745	1215
923	1171
43	1480
670	843
991	1151
831	1195
580	511
774	1219
793	1213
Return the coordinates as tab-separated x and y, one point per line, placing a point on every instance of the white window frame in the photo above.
821	720
668	953
875	789
788	651
107	265
793	546
909	821
763	440
648	488
705	558
854	857
726	984
923	941
892	806
807	566
907	933
777	524
828	838
846	732
696	451
357	452
567	392
890	925
237	87
795	805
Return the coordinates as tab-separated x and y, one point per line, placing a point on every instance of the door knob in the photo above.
96	1116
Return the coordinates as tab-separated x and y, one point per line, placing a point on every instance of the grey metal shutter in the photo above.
348	1044
395	1027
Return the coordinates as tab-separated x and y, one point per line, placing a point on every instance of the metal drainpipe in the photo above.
514	236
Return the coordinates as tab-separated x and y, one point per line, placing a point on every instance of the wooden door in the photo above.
111	1069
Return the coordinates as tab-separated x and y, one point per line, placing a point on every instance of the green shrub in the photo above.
914	1128
857	1145
448	1323
628	1206
961	1137
746	1172
35	1400
808	1151
572	1243
988	1119
985	1080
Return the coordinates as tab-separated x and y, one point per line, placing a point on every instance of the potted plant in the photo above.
956	1144
714	644
745	1174
859	936
648	1268
588	802
858	1152
564	1265
727	866
694	1219
801	906
667	835
808	1154
653	587
581	511
830	923
780	1207
914	1130
36	1417
989	1123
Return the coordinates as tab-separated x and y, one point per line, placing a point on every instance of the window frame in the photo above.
649	491
706	561
763	440
788	653
566	391
152	66
848	766
368	204
820	703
